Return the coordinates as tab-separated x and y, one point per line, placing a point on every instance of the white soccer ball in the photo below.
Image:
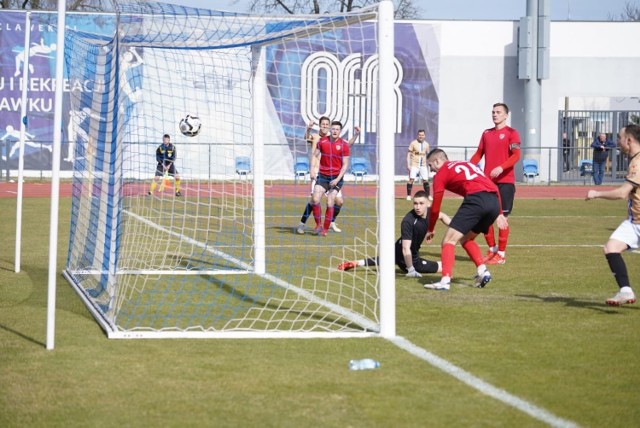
190	125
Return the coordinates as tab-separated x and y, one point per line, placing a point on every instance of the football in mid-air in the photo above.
190	125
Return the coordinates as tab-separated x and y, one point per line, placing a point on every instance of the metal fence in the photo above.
557	165
577	129
562	164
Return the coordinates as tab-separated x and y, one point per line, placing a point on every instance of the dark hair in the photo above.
420	130
421	194
337	122
436	152
503	105
633	130
324	118
166	136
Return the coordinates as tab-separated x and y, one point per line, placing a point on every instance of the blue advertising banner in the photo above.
304	97
301	78
40	85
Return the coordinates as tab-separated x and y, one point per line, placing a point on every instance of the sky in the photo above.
561	10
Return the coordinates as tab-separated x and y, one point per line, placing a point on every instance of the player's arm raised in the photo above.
355	136
307	133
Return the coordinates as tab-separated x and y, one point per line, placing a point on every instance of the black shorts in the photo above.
419	264
477	212
507	195
160	170
324	180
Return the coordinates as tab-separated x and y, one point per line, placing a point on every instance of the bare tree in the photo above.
403	9
631	12
76	5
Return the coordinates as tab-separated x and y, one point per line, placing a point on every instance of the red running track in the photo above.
43	190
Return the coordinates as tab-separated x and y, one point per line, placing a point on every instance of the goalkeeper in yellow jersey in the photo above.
166	156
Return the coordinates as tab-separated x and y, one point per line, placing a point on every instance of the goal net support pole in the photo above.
387	168
259	85
55	180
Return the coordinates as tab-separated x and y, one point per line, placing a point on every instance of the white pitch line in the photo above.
437	247
482	386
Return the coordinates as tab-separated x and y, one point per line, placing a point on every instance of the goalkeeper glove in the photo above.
412	273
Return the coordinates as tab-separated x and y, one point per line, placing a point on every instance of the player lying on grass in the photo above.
413	230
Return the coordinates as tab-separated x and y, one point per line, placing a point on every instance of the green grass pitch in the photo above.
539	331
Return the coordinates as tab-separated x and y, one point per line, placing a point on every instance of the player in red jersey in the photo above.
332	153
479	209
313	139
500	147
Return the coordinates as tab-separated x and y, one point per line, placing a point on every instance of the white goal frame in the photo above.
386	199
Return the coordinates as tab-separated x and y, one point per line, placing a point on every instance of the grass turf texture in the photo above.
540	330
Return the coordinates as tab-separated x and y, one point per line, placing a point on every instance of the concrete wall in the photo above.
591	62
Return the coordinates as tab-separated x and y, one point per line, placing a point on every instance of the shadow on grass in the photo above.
261	303
21	335
291	230
576	303
430	278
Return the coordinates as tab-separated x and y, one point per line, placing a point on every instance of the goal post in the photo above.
215	252
386	148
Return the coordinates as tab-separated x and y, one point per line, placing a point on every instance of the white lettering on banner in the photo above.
7	27
330	87
39	84
33	104
42	28
3	102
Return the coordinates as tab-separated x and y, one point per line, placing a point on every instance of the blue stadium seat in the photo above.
530	170
301	169
243	166
586	169
359	168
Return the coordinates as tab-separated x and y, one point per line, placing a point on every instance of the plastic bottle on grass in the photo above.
366	364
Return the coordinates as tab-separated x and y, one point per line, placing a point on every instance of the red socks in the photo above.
317	213
474	252
328	216
448	257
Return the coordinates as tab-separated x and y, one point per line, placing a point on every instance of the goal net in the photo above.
211	247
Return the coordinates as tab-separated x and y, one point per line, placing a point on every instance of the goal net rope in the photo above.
211	248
